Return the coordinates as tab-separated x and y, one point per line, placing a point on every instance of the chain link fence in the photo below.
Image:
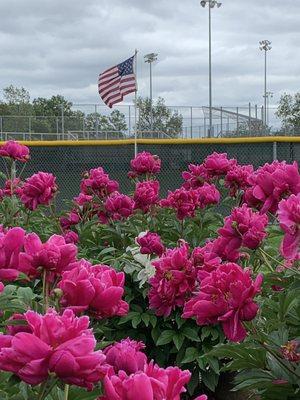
68	162
92	121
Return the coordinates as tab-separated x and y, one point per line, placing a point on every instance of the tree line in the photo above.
52	115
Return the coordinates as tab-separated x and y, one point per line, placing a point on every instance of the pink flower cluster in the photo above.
289	219
174	280
61	345
272	183
15	151
146	195
98	183
118	206
12	188
238	178
244	228
217	164
131	375
54	256
187	201
39	189
96	289
195	177
21	253
150	243
225	296
145	163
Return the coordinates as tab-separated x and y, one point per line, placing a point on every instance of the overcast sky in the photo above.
60	47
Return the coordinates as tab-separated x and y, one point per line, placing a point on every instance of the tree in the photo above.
14	95
53	106
166	123
289	112
115	123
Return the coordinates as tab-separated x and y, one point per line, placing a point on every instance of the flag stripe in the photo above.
117	82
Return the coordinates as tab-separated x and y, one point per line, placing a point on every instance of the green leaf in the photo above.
178	340
165	337
191	354
191	334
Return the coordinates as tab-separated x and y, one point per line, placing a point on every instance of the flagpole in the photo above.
135	108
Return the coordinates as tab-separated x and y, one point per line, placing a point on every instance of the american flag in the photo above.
117	82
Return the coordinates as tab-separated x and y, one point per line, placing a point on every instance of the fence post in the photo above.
274	151
221	121
237	120
62	122
1	127
29	126
250	118
97	122
191	122
129	120
204	128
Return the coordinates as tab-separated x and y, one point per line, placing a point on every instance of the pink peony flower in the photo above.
14	329
289	219
126	356
237	178
60	345
202	397
97	289
155	383
273	182
291	351
205	260
11	188
150	244
98	183
71	237
207	195
11	244
83	199
174	280
55	255
217	164
119	206
72	219
244	227
1	287
145	163
226	250
146	195
226	296
195	177
183	201
15	151
39	189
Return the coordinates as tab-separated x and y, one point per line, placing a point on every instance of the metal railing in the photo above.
85	124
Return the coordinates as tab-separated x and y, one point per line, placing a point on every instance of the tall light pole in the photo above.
211	4
265	45
269	96
150	58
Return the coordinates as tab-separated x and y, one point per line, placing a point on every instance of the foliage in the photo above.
166	123
265	364
289	111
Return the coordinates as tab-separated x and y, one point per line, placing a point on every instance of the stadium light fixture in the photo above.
151	58
265	45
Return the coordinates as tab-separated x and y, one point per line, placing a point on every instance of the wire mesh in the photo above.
68	163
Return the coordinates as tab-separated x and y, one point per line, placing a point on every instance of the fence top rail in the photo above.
57	143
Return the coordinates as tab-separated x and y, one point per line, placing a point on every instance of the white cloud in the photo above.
54	46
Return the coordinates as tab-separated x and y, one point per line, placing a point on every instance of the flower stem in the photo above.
45	291
66	392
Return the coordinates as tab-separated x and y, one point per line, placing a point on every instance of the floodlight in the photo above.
203	3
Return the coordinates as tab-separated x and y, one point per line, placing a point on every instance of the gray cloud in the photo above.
52	46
